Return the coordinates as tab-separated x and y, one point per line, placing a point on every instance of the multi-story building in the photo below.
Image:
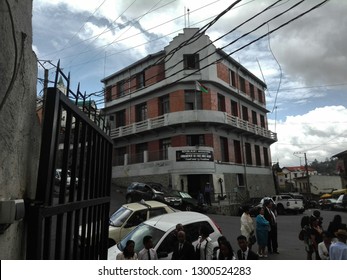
168	129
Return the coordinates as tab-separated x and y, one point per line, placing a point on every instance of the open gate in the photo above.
69	217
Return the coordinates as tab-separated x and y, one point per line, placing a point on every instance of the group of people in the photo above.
183	249
320	244
265	231
147	253
323	244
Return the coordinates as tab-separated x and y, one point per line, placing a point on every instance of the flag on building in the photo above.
201	87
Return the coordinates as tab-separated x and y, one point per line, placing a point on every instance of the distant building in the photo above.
319	184
286	178
188	115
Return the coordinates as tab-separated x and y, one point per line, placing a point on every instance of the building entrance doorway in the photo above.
197	183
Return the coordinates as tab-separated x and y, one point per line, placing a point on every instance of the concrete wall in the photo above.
19	128
324	184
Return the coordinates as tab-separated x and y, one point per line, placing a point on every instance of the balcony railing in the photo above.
192	116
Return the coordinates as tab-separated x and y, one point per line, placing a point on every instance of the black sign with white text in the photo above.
194	155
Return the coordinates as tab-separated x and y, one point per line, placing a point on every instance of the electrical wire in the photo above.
149	11
16	60
67	43
269	32
197	34
281	72
79	53
140	33
231	42
106	30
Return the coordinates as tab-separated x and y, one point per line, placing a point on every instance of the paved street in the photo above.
290	247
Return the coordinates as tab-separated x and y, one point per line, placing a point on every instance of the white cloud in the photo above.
320	133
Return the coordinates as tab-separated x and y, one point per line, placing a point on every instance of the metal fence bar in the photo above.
55	223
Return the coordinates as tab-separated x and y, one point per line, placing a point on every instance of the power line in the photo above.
106	30
149	11
140	33
270	6
83	25
189	40
269	32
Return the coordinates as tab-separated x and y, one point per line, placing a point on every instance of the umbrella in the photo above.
326	195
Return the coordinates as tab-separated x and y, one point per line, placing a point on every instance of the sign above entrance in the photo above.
194	155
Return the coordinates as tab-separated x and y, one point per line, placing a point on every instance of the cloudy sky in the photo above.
304	63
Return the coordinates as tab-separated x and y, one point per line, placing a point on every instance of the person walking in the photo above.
262	231
147	253
128	252
247	226
204	246
183	249
245	253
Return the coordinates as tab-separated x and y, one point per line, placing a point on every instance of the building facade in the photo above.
188	115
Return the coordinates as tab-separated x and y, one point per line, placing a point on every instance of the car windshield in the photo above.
120	216
137	235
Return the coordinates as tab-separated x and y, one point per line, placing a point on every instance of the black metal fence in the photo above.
69	217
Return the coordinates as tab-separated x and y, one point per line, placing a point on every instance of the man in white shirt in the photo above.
147	253
338	250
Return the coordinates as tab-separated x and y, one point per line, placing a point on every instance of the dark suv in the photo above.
152	191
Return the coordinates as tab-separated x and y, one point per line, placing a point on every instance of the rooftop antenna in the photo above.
188	18
185	19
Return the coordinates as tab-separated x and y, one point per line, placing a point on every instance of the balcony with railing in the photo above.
193	116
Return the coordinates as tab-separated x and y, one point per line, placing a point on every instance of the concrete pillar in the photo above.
19	127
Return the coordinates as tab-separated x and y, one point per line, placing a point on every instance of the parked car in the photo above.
151	191
189	203
299	196
341	202
327	203
162	228
128	216
311	203
288	204
58	178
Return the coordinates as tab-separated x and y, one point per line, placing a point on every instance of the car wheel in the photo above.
129	199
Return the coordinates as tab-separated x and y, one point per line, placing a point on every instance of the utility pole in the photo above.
306	171
307	175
